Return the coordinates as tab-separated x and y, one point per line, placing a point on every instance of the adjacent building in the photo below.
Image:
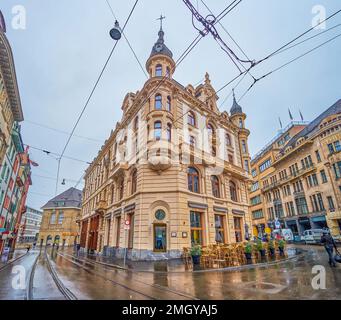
59	220
30	225
297	178
173	173
15	172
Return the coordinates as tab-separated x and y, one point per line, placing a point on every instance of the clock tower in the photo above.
160	62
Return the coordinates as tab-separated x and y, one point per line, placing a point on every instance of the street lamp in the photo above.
116	32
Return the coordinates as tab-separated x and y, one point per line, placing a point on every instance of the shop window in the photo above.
196	228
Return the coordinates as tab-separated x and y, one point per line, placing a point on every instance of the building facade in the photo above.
30	225
301	187
15	173
173	173
59	220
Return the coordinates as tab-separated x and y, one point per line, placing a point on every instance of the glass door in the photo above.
160	237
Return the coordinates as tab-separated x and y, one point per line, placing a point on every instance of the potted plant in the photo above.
260	248
271	246
196	253
281	245
248	251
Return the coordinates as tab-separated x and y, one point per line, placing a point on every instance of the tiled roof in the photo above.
69	198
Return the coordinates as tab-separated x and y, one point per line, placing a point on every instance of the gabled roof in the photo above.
69	198
314	125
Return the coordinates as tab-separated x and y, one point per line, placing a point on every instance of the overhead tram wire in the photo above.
92	91
298	37
49	153
239	47
61	131
289	62
125	37
177	63
287	44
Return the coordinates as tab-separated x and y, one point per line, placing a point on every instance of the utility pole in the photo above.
57	180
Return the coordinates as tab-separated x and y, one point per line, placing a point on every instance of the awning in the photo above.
291	222
220	209
196	205
319	219
303	220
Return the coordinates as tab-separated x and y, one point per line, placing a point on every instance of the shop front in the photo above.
303	224
319	222
292	225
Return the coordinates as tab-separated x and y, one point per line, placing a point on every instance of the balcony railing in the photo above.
288	178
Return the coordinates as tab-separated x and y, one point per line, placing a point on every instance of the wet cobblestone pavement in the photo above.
88	279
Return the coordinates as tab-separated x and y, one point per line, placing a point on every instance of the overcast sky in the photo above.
59	56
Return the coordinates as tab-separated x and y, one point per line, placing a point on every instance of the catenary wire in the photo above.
289	62
125	37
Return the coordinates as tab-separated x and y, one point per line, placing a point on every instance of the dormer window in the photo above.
158	102
158	70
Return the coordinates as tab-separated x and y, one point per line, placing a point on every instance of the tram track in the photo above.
92	263
61	287
110	280
29	286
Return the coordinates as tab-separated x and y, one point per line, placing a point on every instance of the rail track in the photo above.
62	288
158	288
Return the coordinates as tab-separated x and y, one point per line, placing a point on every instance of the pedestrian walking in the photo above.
28	248
78	248
329	244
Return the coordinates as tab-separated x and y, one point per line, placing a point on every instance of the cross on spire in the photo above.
161	18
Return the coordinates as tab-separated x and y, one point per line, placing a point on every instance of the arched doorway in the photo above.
160	237
48	239
56	239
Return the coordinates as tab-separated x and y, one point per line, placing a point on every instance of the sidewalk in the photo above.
13	255
173	265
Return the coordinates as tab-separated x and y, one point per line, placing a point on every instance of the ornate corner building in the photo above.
173	173
297	177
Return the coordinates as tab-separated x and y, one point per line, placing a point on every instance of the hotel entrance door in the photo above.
160	237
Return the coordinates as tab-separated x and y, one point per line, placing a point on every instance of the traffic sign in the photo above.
127	222
277	224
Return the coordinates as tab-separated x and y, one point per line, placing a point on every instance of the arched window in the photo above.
157	130
169	132
241	123
158	102
215	186
210	130
191	118
60	217
136	123
121	188
134	181
228	140
193	179
169	104
233	191
168	72
158	70
53	218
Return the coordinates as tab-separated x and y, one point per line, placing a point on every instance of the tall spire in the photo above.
160	47
236	108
